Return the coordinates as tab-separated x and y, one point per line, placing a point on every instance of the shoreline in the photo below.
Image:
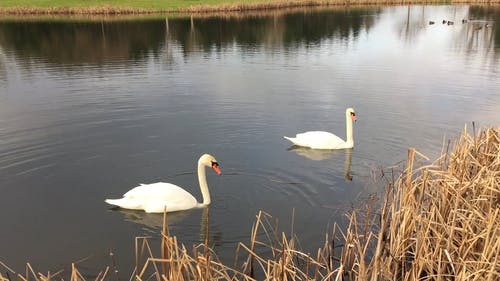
224	7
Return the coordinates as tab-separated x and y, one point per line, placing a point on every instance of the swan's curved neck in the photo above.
202	179
348	127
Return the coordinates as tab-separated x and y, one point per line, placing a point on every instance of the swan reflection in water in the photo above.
324	154
154	221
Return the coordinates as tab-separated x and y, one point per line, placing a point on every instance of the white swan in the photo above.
155	197
326	140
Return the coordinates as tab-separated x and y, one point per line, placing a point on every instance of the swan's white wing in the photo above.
159	190
318	140
153	198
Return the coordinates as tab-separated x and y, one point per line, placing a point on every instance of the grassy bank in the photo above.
436	222
193	6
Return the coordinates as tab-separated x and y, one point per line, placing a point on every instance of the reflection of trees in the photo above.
286	30
477	37
414	22
81	42
487	13
96	42
3	69
490	14
481	35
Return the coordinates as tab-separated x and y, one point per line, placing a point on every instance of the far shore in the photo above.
222	6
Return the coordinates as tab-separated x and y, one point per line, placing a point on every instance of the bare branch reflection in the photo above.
3	67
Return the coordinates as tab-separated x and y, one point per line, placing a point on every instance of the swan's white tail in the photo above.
291	139
125	203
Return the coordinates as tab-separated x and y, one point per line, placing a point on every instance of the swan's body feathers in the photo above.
161	196
326	140
153	198
160	190
318	140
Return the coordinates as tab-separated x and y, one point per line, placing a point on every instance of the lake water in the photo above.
89	108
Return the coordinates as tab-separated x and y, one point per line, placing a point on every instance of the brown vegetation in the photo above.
74	11
437	222
205	8
280	4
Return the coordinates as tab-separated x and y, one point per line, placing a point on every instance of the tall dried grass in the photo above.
437	222
442	222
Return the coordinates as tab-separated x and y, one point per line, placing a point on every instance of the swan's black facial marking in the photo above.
353	116
215	167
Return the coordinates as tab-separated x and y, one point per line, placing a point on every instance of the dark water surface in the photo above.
91	108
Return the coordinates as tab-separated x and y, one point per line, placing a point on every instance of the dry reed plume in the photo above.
437	222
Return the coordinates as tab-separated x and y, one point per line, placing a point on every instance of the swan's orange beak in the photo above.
216	168
354	118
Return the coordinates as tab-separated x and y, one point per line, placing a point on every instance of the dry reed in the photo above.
442	221
437	222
